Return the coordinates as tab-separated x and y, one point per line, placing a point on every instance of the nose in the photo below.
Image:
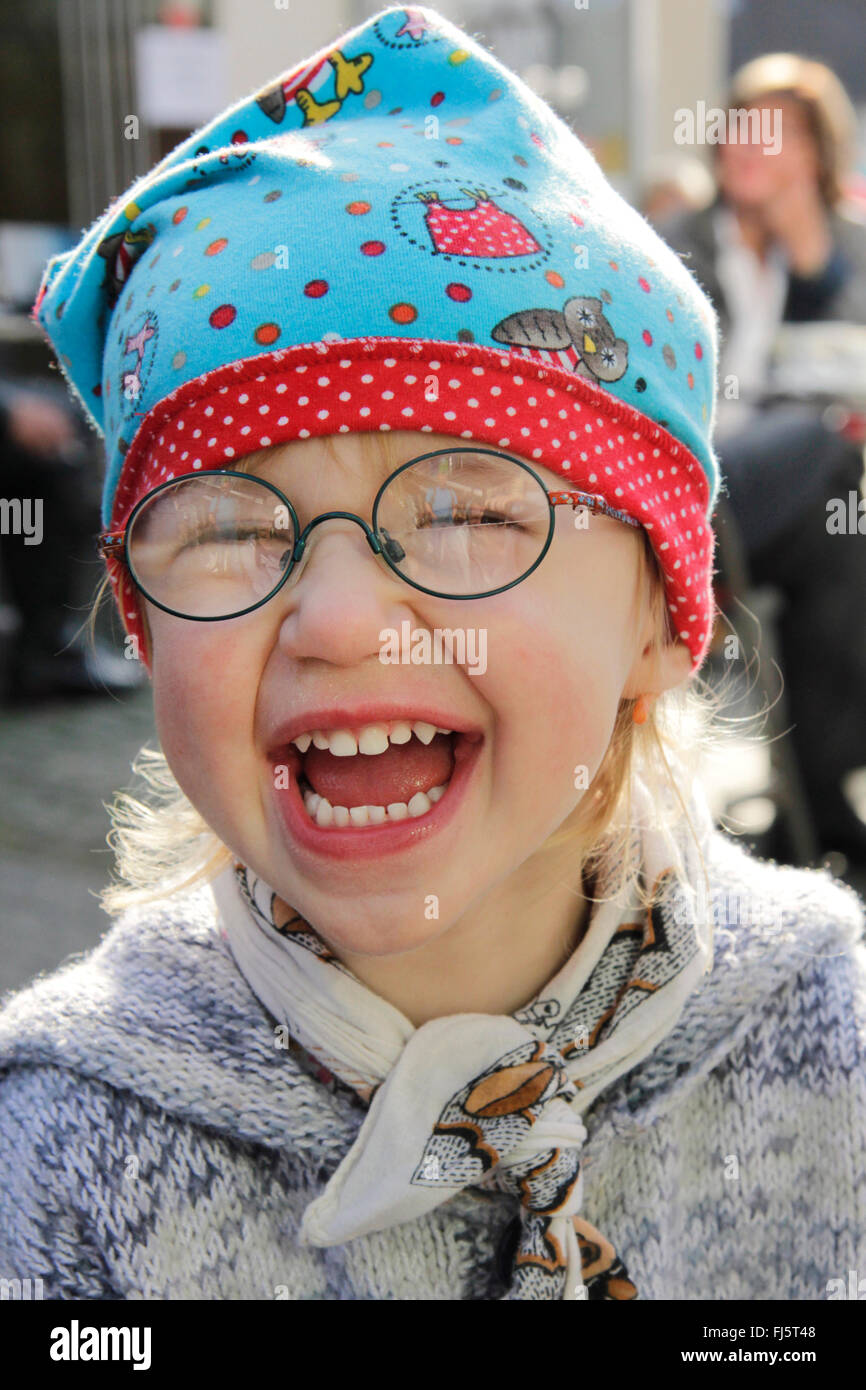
339	595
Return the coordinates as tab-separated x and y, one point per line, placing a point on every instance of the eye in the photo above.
460	515
228	535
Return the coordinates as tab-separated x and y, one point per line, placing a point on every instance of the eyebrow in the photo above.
386	467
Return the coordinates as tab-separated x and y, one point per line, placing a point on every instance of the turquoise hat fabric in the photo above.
399	187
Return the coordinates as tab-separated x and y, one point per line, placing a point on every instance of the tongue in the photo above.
381	778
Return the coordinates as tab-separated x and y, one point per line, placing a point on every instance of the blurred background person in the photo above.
675	184
44	459
781	251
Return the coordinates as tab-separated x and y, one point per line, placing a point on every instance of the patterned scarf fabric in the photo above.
487	1100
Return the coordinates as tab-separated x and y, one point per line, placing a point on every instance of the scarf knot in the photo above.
520	1114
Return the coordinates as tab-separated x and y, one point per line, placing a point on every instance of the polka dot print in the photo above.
223	316
512	400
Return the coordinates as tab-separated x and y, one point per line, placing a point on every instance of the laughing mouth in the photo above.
372	741
320	810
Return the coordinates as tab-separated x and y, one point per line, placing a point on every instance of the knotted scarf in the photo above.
487	1100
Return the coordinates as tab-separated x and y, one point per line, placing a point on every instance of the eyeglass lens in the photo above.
461	523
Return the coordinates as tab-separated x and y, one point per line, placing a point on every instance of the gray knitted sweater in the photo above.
156	1143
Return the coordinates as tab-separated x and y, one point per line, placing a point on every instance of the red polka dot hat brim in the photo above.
521	401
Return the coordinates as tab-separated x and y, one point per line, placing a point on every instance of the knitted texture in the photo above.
156	1141
458	211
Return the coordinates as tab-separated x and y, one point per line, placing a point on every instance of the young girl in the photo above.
433	978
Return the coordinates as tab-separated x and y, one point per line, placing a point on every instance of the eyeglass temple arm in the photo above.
110	544
593	503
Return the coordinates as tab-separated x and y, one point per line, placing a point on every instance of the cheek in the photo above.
204	704
556	672
577	681
747	162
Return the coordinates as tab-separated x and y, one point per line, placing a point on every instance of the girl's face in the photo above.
562	649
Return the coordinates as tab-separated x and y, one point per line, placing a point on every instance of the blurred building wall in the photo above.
675	53
691	38
639	61
263	40
833	31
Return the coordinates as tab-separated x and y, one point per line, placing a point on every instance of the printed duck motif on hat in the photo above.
301	84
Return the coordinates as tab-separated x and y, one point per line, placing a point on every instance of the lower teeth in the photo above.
323	813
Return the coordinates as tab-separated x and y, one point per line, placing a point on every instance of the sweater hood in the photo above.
160	1009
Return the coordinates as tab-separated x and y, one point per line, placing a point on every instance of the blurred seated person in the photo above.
43	572
675	184
781	251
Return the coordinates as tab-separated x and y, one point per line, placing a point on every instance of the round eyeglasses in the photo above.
454	523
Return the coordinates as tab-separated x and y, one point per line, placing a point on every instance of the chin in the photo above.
378	942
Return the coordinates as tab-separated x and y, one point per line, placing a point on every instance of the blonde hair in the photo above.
162	845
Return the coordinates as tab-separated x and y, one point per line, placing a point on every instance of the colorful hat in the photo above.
397	207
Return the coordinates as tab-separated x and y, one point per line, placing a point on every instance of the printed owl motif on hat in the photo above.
579	337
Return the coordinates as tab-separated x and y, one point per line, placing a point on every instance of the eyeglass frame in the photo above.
115	544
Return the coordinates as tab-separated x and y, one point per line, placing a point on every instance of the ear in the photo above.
655	671
147	654
148	642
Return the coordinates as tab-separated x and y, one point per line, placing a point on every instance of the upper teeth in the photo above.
369	738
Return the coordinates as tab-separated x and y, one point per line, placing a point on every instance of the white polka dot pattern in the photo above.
542	412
